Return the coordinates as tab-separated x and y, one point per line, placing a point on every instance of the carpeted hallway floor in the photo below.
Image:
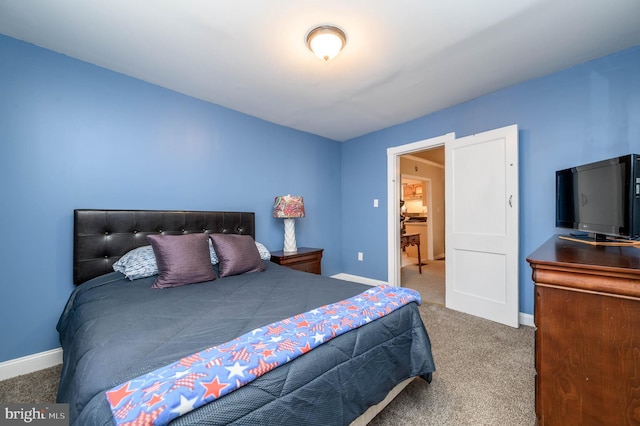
429	283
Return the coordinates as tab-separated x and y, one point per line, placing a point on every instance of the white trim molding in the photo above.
422	160
526	319
358	279
30	363
393	196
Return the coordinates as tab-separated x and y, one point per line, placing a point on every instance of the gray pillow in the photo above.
237	254
181	259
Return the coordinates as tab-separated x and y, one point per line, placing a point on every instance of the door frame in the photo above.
429	205
393	196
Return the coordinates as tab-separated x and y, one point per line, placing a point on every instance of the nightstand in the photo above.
305	259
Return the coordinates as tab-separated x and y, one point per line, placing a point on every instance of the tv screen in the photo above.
599	198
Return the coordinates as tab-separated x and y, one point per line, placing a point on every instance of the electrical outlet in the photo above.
360	256
375	202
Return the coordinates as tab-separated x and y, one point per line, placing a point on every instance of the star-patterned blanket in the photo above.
164	394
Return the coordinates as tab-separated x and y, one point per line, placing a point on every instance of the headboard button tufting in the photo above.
108	229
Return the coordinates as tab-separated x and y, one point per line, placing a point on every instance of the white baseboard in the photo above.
358	279
30	363
525	319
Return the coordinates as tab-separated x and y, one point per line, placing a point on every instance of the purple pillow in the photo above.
237	254
181	259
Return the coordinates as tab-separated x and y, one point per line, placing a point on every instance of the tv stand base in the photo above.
599	241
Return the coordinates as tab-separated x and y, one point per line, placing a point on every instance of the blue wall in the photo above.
74	135
586	113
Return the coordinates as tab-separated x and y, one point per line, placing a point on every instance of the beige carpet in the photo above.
429	283
484	375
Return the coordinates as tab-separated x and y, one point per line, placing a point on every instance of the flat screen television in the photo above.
600	200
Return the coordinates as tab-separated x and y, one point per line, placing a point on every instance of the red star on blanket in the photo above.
213	387
287	345
116	396
259	345
123	412
262	368
145	418
241	354
187	381
346	322
188	361
274	330
306	348
302	324
155	398
267	353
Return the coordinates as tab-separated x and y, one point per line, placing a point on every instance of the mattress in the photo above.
113	330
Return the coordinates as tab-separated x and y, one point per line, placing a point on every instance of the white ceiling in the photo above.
403	58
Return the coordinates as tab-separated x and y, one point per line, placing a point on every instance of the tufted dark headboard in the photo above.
101	237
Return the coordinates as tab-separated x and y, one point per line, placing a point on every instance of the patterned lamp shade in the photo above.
287	206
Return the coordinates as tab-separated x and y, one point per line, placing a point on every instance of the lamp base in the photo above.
290	236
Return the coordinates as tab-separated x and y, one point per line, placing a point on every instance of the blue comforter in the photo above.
113	329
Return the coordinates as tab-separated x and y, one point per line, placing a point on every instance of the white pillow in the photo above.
265	254
138	263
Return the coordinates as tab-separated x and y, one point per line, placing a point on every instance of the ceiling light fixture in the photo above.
326	41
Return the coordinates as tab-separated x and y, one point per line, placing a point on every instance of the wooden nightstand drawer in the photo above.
305	259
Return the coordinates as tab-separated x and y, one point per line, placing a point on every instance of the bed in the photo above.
115	330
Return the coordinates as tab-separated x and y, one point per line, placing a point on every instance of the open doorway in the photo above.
393	206
422	212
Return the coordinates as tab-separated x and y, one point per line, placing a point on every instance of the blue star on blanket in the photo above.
161	395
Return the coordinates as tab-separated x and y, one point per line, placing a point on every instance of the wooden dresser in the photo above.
305	259
587	313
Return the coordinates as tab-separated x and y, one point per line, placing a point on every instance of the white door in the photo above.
481	198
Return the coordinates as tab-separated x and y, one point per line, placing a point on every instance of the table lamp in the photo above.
288	207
